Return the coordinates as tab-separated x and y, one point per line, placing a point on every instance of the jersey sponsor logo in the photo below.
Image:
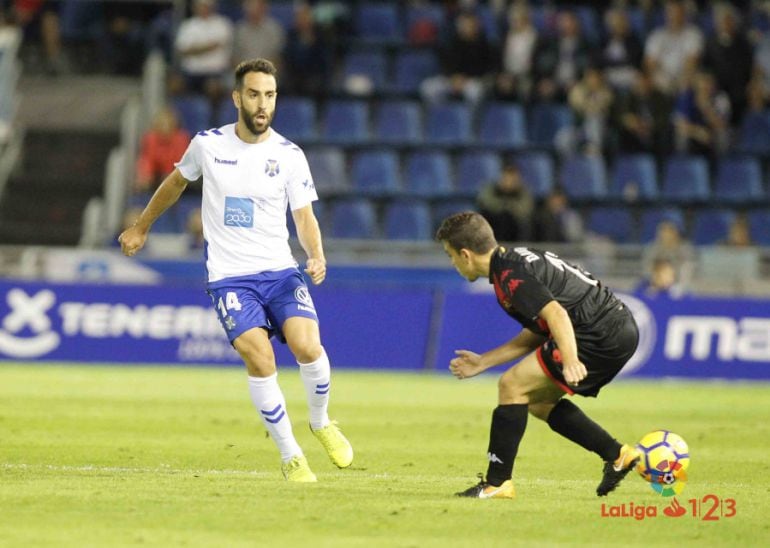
239	212
225	162
303	296
272	168
30	312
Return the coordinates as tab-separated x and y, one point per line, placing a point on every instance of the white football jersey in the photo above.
246	189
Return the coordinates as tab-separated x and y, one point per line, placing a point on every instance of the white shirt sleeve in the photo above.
300	187
190	164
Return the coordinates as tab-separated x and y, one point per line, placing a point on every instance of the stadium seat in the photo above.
634	176
411	68
295	118
444	208
590	24
428	174
583	177
327	165
372	65
489	22
376	172
433	14
502	125
537	171
283	12
408	221
710	226
194	112
398	122
319	209
685	180
754	133
616	223
545	121
759	224
738	180
346	122
378	23
354	218
474	170
652	217
227	113
448	124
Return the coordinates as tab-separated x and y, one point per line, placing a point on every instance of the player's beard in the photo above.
251	123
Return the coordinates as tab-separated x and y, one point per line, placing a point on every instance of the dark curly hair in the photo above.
467	230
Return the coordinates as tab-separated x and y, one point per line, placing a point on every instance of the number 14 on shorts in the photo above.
230	302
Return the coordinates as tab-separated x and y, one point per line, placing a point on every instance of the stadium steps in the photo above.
60	171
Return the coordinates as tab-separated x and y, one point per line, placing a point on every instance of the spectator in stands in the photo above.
204	45
507	205
671	246
39	22
641	118
258	35
556	221
673	51
729	55
468	61
761	69
559	62
661	281
702	117
307	56
161	147
739	233
621	52
514	82
591	101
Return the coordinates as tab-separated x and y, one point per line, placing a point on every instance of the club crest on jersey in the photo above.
272	168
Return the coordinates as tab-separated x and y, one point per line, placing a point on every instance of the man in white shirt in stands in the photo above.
250	175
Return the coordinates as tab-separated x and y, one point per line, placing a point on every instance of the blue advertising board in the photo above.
362	326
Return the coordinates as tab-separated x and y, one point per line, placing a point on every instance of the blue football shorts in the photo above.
263	300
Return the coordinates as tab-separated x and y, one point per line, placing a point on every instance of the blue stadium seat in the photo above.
652	217
738	180
319	209
444	208
759	225
634	175
489	22
616	223
346	122
546	119
590	24
502	125
283	12
537	171
295	118
194	112
227	113
378	23
411	68
408	221
370	64
398	122
448	124
584	177
376	172
353	219
685	180
475	169
327	165
711	225
754	133
428	174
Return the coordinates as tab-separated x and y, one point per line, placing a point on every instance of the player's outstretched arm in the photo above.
560	325
132	239
309	234
469	364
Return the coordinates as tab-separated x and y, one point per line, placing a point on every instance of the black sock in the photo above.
569	421
508	424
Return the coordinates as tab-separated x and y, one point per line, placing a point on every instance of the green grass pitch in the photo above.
118	456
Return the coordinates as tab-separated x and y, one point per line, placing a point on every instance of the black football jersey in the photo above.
527	279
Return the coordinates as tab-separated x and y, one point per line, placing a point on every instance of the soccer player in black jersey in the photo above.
576	337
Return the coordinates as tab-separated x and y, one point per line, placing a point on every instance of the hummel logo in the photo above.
226	162
494	458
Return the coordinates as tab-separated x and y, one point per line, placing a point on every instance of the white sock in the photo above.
269	401
316	376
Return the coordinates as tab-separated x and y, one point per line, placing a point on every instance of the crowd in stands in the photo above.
555	119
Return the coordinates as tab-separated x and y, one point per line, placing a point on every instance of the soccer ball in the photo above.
665	457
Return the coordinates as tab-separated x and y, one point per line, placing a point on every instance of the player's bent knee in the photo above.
306	351
540	410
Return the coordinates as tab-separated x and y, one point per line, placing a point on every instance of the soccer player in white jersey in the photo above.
250	174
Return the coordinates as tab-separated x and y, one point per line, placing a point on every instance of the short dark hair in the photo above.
467	230
253	65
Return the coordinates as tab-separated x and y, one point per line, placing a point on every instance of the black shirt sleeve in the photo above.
524	291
